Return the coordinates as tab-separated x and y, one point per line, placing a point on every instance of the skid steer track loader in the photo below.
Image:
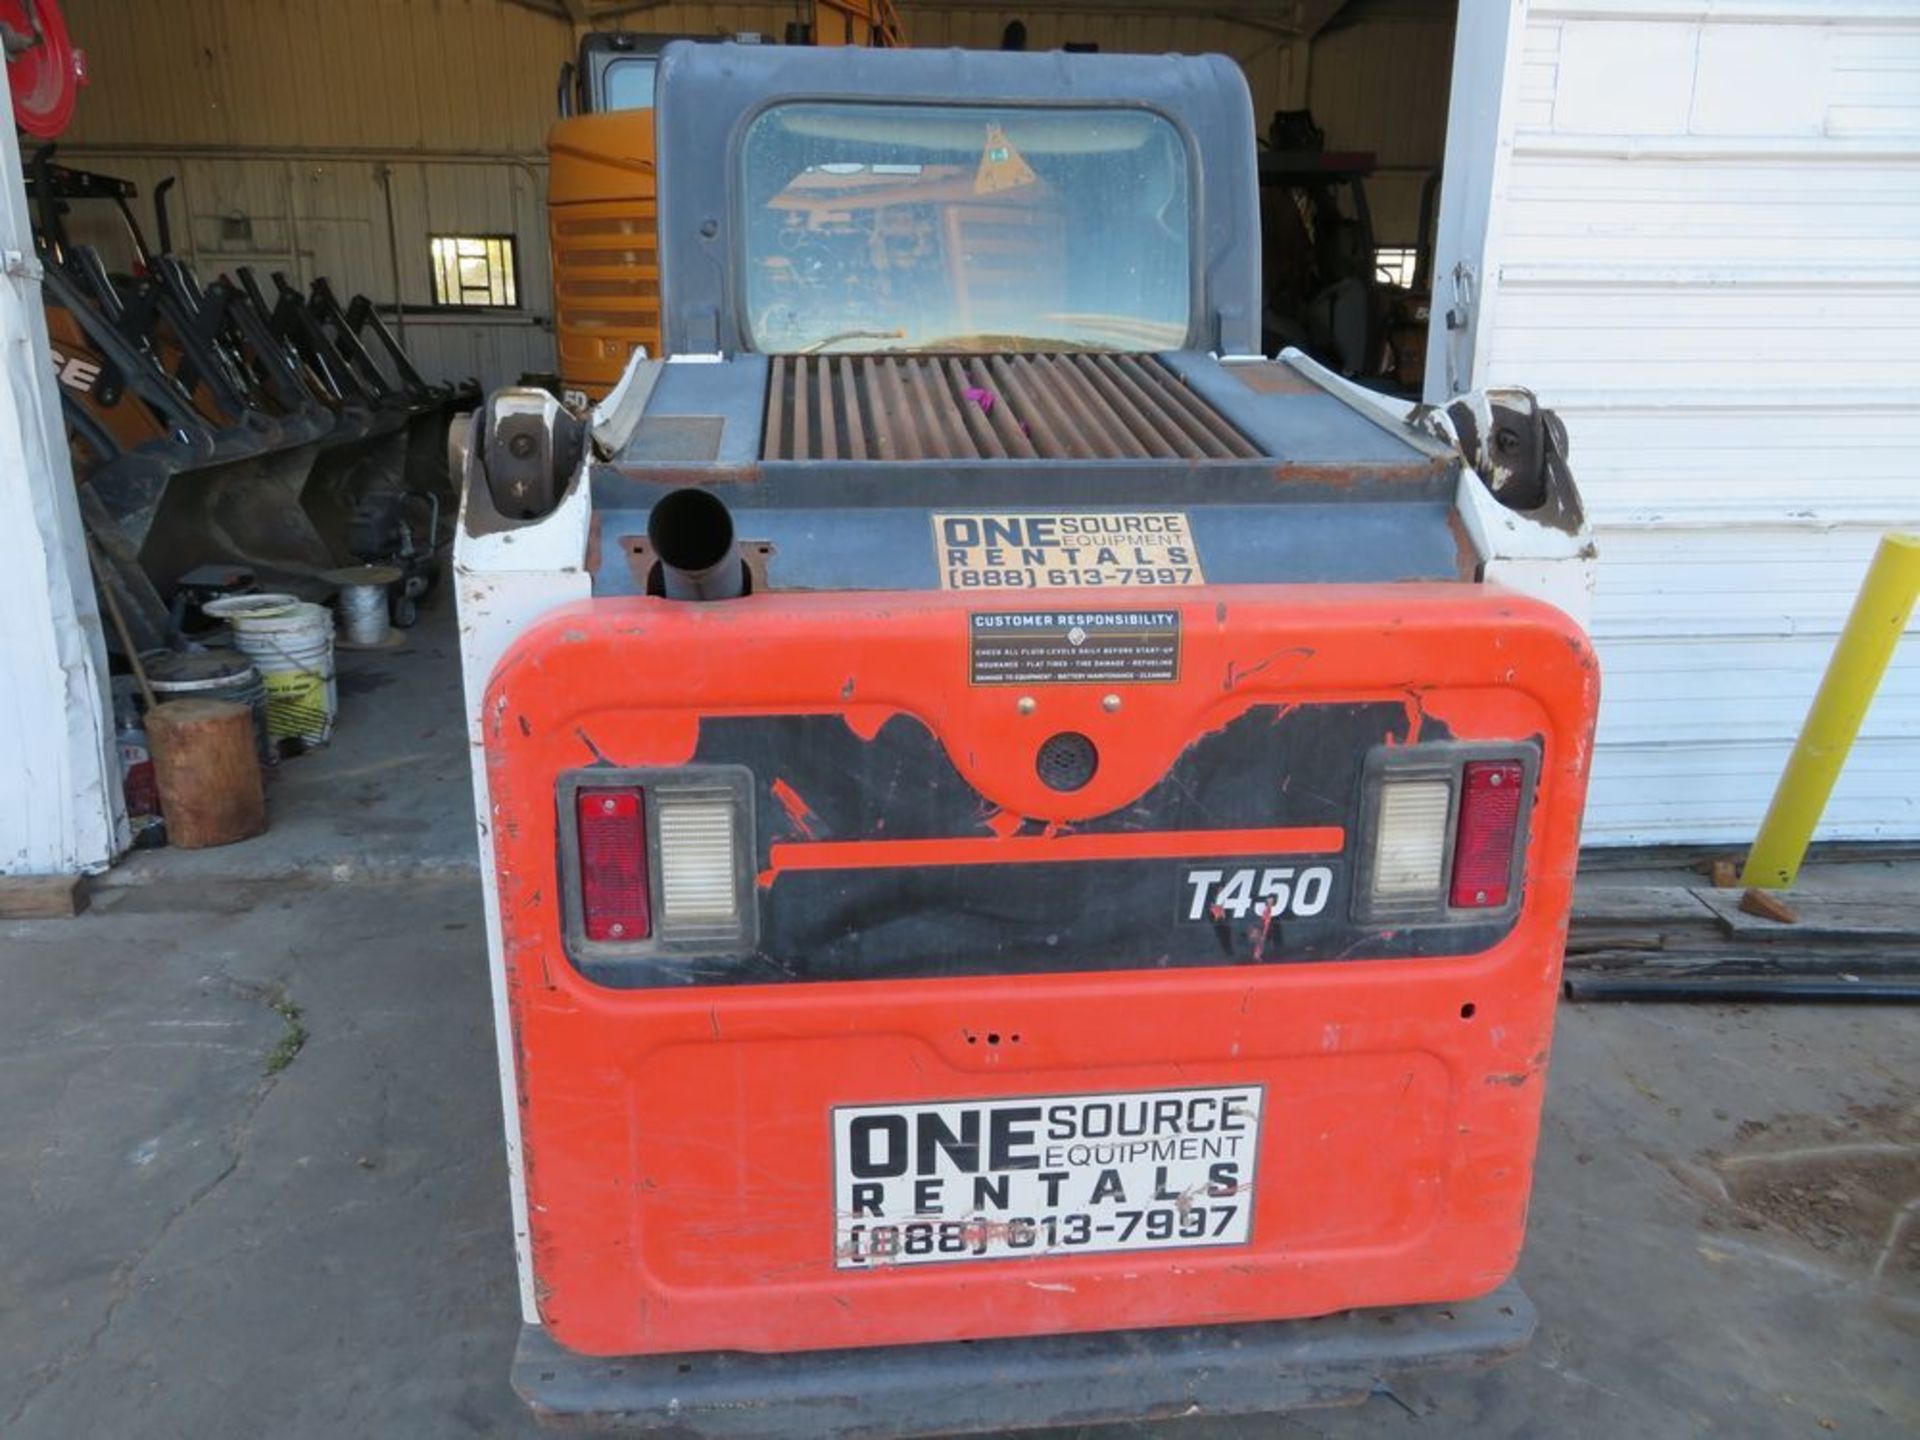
1027	847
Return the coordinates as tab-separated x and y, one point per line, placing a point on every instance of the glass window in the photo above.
473	270
1395	264
628	83
952	228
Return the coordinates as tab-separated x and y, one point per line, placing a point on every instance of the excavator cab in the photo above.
600	210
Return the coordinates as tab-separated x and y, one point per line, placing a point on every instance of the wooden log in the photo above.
42	897
208	772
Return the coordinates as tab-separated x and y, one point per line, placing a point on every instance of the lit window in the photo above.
1395	264
474	270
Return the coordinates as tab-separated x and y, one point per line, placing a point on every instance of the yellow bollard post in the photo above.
1866	645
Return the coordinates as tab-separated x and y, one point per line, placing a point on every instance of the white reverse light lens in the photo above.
697	881
1410	842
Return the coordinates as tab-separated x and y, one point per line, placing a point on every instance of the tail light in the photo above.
1445	835
697	860
614	891
1410	839
661	861
1489	824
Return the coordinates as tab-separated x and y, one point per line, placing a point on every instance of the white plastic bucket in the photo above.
265	603
292	647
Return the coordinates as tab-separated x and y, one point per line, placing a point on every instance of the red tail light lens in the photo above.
615	902
1483	846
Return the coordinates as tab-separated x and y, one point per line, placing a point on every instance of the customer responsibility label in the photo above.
1069	647
1045	1175
1030	550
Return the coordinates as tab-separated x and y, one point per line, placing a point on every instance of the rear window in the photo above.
887	227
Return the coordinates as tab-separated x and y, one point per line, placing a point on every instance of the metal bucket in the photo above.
213	675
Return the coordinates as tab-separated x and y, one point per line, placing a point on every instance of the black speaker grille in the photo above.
1067	761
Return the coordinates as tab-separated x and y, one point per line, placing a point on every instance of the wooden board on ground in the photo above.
1636	906
1685	959
42	897
1870	919
1743	990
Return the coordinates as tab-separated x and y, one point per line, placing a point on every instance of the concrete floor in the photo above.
251	1180
392	795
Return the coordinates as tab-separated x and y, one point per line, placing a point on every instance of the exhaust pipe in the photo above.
691	532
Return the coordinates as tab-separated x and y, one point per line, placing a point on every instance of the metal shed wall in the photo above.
1705	253
297	114
1376	79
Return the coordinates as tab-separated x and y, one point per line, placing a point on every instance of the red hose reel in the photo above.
44	70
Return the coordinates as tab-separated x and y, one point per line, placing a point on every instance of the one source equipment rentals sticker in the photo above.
1048	1175
997	551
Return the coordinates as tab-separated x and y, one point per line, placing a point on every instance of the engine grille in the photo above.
606	285
989	407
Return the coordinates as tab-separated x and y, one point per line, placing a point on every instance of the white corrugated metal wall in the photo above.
1707	258
60	806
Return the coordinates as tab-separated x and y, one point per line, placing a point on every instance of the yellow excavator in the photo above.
600	189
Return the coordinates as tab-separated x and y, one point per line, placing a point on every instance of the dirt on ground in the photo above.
1845	1187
